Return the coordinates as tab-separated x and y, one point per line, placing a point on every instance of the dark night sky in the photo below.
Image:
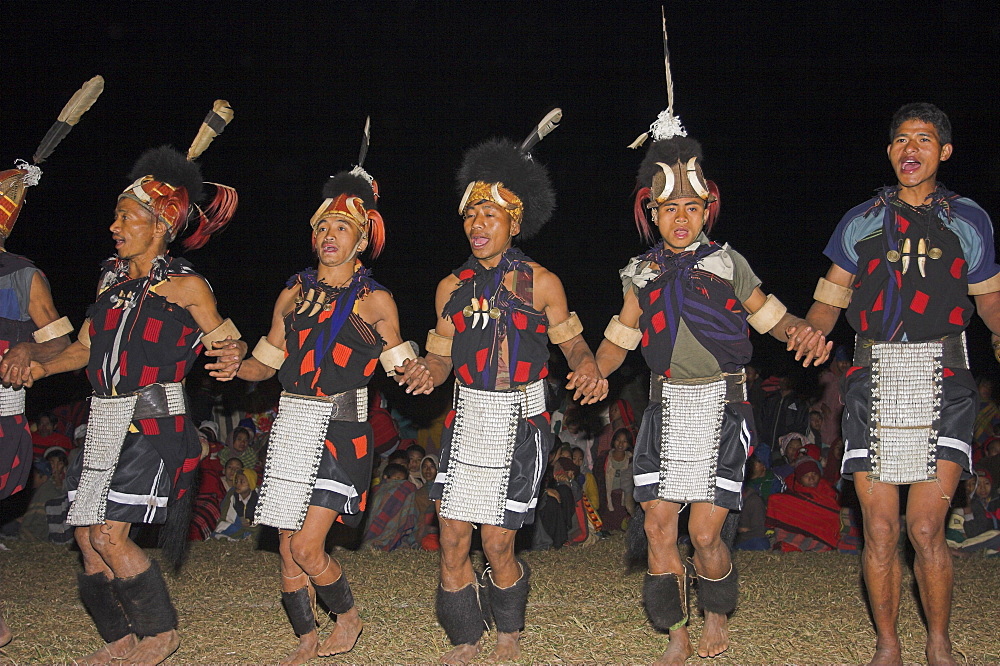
790	100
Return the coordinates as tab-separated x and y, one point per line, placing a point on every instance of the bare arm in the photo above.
988	307
17	361
421	375
609	355
193	293
74	357
810	346
251	369
585	378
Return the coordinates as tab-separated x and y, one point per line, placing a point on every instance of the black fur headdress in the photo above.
667	151
168	165
501	161
348	182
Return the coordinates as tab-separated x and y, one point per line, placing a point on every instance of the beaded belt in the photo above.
905	410
482	446
690	428
736	385
954	354
107	427
294	451
11	401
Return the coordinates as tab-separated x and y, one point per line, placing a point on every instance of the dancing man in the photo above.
688	303
904	266
496	315
330	327
152	317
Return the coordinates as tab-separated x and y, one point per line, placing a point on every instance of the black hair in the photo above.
393	468
416	447
58	453
398	455
346	182
170	166
923	112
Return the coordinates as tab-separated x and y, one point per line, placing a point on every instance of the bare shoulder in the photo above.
286	300
449	283
186	290
544	279
377	305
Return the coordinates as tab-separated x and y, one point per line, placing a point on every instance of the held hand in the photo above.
587	383
810	345
228	355
32	374
15	366
416	376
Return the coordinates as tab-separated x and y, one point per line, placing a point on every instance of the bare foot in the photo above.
508	648
5	635
714	636
887	652
152	650
345	634
461	655
308	648
939	651
678	650
111	651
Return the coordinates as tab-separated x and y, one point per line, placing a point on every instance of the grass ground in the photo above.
795	608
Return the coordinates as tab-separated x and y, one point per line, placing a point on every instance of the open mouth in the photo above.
479	242
909	166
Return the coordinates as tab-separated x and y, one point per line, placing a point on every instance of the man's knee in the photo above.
705	540
660	532
498	549
309	558
106	539
925	534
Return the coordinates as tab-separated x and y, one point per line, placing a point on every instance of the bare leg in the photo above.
93	563
456	573
294	578
926	509
661	533
880	563
307	551
5	634
498	544
712	560
126	560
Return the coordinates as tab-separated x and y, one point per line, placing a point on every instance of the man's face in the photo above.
809	480
413	461
984	487
680	221
336	241
915	153
134	230
490	229
44	426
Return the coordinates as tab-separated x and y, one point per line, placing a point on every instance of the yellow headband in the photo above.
495	192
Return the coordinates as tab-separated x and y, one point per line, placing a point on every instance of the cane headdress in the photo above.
14	182
671	168
169	185
353	196
505	173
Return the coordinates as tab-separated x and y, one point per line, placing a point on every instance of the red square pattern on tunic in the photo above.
520	321
659	322
331	448
179	371
185	332
111	319
341	354
123	364
730	304
540	328
523	371
872	265
956	267
864	320
308	363
879	302
450	418
645	338
179	423
919	302
902	223
544	372
151	332
149	375
360	446
459	321
303	335
464	374
955	317
654	295
370	368
149	427
481	357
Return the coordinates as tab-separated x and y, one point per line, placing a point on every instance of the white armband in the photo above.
621	335
398	355
83	337
224	330
53	330
768	316
832	293
268	354
437	344
565	330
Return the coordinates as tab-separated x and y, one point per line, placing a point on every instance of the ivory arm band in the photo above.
768	316
565	330
221	332
832	293
398	355
437	344
53	330
83	337
624	336
268	354
986	286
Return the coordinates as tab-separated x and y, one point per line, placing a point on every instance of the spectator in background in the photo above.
34	523
427	527
831	405
616	483
976	526
784	412
791	447
586	479
806	517
45	435
240	446
238	507
751	531
991	462
414	458
59	461
755	393
620	416
206	509
987	418
233	467
392	514
763	480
